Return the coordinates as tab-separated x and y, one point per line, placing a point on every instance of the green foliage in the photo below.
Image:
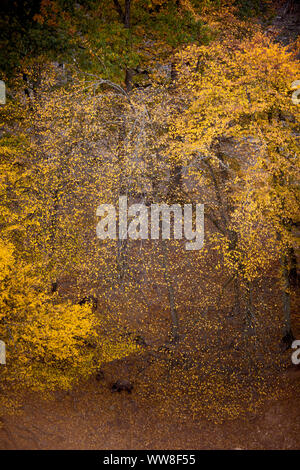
248	8
22	37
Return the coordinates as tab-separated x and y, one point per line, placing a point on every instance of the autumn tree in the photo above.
51	342
238	137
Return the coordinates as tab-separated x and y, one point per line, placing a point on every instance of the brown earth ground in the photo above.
95	418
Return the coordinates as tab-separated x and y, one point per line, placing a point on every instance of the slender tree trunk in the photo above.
175	189
286	296
122	256
125	19
171	295
288	336
236	306
293	269
250	316
173	76
53	233
128	72
128	80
